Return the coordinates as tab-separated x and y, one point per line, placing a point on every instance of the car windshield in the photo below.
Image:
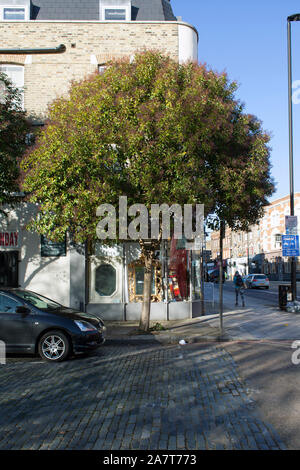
38	300
260	277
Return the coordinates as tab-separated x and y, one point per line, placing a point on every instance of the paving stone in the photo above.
131	397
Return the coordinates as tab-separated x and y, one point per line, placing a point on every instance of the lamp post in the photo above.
291	18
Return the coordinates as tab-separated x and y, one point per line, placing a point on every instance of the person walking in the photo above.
239	286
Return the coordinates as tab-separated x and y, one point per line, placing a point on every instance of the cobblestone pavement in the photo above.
131	397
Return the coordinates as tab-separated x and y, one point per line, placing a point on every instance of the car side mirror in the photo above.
23	310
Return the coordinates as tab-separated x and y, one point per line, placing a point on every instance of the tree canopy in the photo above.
13	130
155	131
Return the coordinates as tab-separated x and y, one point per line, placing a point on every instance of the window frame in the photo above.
22	68
116	279
116	7
14	7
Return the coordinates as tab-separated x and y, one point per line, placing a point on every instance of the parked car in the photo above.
31	323
257	280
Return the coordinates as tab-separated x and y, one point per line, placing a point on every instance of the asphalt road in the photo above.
260	319
264	349
266	297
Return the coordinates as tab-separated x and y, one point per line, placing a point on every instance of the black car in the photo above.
31	323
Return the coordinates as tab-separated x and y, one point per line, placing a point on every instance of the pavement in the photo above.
206	328
190	331
133	397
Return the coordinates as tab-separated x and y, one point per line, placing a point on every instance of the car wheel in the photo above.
54	346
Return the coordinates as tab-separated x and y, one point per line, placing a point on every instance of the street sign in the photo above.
290	245
291	224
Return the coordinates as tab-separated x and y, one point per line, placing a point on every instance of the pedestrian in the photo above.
239	286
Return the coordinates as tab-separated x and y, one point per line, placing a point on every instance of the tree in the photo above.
156	132
13	130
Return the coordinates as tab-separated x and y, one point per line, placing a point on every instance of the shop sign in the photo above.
9	239
51	248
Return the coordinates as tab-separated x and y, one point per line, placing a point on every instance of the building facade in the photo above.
91	32
45	45
260	250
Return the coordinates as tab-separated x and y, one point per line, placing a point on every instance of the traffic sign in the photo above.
291	224
290	245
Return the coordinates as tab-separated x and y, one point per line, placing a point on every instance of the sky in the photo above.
248	40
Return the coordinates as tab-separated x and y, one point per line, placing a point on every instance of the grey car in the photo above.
257	280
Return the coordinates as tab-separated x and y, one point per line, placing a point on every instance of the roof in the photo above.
88	10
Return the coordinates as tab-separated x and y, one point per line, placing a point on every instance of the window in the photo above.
101	69
7	304
278	239
16	75
116	12
106	280
14	13
139	281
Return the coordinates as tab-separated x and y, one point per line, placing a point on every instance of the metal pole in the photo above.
291	160
222	234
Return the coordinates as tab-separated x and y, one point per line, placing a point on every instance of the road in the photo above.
262	340
261	319
240	394
131	397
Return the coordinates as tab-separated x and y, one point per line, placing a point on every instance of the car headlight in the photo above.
85	326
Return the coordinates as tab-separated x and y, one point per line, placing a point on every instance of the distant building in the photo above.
259	250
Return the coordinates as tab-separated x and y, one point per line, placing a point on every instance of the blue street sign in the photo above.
290	245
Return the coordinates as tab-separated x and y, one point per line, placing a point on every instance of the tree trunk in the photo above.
146	305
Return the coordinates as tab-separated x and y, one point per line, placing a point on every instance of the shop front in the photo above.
107	280
116	282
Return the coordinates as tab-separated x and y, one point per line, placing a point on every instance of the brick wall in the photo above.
48	76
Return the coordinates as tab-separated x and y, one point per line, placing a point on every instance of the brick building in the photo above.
259	250
45	44
92	32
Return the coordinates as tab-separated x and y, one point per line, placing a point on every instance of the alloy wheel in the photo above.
53	347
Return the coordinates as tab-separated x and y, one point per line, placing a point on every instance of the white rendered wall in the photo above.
49	276
188	43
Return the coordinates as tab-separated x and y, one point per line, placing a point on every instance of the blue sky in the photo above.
248	40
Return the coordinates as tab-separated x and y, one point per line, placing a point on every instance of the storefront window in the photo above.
139	281
178	271
105	280
136	273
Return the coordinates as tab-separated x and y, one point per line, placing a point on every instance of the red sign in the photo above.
9	239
